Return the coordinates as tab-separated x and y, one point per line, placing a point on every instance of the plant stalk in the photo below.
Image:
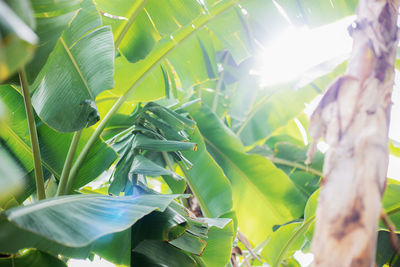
166	159
219	84
41	193
68	164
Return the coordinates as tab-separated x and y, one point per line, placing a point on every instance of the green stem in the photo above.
180	37
68	163
34	137
166	159
219	84
294	165
92	140
129	23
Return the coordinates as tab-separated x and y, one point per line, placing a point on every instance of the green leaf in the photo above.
256	182
164	226
298	13
142	165
236	36
219	243
275	107
284	242
49	29
33	258
136	75
70	224
77	70
54	146
42	6
17	40
214	200
390	202
143	142
290	158
157	253
11	175
189	243
385	253
291	237
190	61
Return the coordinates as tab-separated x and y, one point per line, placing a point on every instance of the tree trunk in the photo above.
353	117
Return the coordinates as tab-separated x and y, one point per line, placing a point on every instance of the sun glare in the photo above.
297	50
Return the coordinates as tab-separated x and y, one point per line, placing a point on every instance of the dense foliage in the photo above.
193	162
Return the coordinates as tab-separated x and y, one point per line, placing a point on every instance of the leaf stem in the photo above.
68	163
295	165
219	84
131	20
180	37
92	140
33	134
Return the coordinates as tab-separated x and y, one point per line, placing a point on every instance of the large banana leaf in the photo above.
139	26
52	19
256	182
54	146
77	70
207	181
69	225
17	39
141	70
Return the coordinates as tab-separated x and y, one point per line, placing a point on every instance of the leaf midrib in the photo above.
276	214
71	57
28	149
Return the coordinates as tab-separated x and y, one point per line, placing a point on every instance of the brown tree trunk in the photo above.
353	118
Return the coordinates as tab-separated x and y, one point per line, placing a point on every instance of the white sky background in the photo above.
294	53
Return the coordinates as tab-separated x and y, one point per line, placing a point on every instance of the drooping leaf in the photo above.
70	224
77	70
256	182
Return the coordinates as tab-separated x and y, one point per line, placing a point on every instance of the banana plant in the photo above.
135	130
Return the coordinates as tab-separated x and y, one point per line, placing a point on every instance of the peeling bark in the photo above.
353	118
